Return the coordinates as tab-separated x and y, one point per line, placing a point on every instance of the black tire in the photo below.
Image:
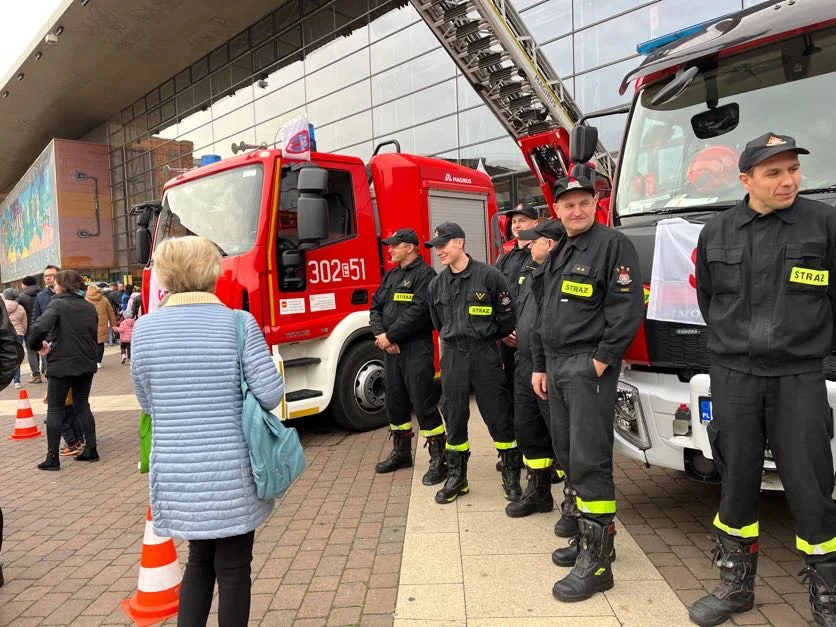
359	391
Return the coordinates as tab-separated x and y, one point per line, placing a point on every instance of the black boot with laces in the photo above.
822	580
738	563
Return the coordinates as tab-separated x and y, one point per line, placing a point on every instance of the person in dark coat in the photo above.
11	355
71	325
27	299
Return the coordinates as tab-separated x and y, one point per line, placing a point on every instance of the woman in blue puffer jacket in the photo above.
200	476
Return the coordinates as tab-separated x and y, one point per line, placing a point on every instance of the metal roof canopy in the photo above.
109	54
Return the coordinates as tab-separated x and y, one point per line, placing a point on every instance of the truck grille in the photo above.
685	347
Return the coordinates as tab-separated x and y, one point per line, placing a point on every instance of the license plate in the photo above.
705	409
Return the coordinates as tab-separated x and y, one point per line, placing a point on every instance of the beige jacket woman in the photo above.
103	308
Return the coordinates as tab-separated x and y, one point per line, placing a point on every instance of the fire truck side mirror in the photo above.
311	207
143	245
582	143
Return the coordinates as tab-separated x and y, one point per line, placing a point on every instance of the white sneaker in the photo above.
98	365
18	386
124	359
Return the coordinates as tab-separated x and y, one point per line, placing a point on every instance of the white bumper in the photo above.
657	397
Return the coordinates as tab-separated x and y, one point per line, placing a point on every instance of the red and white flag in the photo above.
673	283
296	139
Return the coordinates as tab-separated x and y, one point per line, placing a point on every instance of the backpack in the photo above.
276	454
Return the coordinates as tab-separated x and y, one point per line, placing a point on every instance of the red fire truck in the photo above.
301	251
700	95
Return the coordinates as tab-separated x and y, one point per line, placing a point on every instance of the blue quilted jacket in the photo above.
185	373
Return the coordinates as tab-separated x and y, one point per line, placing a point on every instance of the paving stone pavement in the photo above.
331	553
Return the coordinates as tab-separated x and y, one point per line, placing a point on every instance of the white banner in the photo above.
673	284
296	139
156	292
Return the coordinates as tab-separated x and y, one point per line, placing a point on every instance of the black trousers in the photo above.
531	418
509	359
227	560
100	354
791	415
581	405
477	366
410	385
57	388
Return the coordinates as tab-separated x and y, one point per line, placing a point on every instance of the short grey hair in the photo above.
187	264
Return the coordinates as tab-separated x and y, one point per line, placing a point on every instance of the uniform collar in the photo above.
192	298
582	241
412	264
745	214
464	273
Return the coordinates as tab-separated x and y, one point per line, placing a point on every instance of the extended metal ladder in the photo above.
495	51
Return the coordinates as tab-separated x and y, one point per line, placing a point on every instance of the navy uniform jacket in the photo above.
592	298
473	305
765	287
399	306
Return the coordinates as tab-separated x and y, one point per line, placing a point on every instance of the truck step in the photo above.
301	362
300	395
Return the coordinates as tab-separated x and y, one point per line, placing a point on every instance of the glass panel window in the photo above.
200	69
590	11
264	56
427	139
393	21
289	42
239	45
269	131
339	47
417	74
549	20
278	101
478	125
352	99
466	95
337	75
242	117
262	31
499	155
167	90
599	89
182	80
288	13
404	45
424	105
218	58
559	53
351	130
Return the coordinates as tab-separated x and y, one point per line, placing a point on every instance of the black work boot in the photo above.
456	484
557	476
50	463
537	497
567	556
738	563
822	579
592	572
567	525
437	471
511	460
401	455
90	454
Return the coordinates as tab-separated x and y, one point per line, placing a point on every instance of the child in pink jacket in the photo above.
125	329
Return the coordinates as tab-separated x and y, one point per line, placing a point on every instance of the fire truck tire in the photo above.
359	390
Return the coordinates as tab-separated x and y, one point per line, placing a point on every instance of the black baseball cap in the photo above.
401	236
572	184
553	229
444	232
529	211
763	147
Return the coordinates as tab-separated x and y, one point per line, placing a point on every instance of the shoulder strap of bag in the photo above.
240	332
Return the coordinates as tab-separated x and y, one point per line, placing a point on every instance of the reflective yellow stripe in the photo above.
429	432
749	531
404	427
560	473
808	276
504	446
537	464
576	289
815	549
595	507
401	297
458	447
480	310
521	280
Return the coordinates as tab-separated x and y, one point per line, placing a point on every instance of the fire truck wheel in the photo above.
359	390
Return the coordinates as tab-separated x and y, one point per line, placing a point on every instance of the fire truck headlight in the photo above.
628	420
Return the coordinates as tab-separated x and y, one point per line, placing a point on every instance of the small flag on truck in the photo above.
296	139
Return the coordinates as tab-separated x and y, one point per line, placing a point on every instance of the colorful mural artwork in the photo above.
29	221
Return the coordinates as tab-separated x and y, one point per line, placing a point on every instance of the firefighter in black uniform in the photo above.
471	306
592	305
764	271
531	413
513	264
400	320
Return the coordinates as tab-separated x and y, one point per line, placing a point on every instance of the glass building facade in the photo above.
368	71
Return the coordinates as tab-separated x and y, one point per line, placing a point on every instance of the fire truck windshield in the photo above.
223	207
683	151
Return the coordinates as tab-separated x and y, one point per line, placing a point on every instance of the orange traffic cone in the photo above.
158	592
25	426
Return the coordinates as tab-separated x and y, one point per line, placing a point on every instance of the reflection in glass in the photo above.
559	53
351	130
337	75
417	74
404	45
549	20
427	139
392	21
433	102
352	99
478	125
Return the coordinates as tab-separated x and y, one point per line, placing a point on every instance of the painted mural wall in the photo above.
29	237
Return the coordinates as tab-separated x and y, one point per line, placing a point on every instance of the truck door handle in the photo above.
360	297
